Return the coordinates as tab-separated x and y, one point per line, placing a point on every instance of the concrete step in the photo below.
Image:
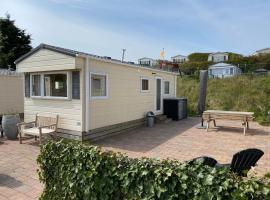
162	119
168	120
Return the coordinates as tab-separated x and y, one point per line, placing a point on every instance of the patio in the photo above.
181	140
178	140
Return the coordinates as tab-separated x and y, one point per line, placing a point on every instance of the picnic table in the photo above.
213	115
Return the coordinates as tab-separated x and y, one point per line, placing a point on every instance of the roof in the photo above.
75	53
260	70
68	52
145	58
262	50
179	56
222	65
218	53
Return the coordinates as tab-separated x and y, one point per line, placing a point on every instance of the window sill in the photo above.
145	91
51	98
101	97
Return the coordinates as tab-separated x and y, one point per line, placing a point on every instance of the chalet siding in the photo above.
46	60
69	112
125	100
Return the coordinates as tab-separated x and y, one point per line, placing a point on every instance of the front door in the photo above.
158	94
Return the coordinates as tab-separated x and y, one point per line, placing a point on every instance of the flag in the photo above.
162	54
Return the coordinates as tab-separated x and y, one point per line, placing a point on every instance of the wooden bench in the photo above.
213	115
42	125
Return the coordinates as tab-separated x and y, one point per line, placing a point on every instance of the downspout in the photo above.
87	95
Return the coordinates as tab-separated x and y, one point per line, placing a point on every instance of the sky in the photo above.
144	27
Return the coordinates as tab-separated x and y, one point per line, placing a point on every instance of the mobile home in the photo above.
223	70
93	95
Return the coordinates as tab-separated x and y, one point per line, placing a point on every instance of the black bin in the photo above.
175	108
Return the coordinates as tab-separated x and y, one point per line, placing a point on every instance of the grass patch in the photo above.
242	93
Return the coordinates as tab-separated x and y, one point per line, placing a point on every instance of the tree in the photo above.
14	42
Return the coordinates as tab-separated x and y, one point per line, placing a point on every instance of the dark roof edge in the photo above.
45	46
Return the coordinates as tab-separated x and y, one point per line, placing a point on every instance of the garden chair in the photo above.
243	161
205	160
41	126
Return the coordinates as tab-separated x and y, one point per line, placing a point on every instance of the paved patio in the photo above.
18	170
179	140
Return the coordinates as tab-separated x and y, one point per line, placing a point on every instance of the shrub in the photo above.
76	171
242	93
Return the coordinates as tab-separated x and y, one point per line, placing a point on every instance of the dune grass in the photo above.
242	93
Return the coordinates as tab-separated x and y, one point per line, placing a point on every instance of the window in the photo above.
36	88
50	85
166	87
231	71
55	85
98	85
144	84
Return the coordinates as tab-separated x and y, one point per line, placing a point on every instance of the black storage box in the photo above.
175	108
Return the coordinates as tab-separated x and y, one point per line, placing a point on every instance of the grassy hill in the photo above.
243	93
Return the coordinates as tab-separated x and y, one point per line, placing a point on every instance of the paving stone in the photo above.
179	140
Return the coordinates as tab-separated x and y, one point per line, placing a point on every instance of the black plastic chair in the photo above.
204	160
243	161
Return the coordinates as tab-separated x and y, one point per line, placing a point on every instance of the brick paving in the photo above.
18	170
181	140
178	140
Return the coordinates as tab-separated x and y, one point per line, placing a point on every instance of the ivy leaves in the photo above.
70	170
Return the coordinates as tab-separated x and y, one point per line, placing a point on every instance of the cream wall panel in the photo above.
125	100
46	60
69	111
11	94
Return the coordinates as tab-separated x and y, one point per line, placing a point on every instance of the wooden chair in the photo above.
42	125
205	160
243	161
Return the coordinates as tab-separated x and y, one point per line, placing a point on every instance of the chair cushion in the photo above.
35	131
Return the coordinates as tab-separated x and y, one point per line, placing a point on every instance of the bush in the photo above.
242	93
74	171
198	57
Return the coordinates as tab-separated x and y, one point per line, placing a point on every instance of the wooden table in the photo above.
213	115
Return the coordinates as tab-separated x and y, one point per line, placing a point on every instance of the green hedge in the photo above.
74	171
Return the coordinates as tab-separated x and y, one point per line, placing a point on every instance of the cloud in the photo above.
47	27
144	27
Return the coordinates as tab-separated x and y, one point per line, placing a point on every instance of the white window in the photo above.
144	84
166	87
55	85
99	85
50	85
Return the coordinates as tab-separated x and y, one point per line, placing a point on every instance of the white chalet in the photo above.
222	70
179	59
146	61
262	52
218	57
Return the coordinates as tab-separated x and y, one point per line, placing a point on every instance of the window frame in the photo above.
31	85
165	87
90	86
141	84
42	85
